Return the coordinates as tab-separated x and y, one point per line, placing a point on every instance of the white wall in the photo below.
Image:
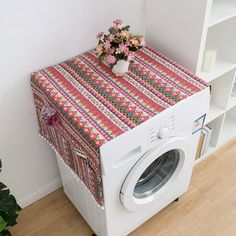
175	29
36	34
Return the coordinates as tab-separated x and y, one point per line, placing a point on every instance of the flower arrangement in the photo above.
118	44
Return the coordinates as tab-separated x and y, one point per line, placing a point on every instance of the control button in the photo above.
163	133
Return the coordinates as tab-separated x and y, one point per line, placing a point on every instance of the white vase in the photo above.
120	68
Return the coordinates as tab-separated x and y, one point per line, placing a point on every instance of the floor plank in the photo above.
207	209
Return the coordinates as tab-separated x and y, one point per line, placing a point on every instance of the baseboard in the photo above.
40	193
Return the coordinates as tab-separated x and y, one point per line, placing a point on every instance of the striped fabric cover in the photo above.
94	106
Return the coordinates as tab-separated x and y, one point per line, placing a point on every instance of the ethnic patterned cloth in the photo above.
92	106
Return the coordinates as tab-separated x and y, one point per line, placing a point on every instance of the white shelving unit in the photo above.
183	30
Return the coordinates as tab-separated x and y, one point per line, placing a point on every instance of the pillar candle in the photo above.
209	60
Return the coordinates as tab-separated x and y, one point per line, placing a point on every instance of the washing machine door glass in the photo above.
156	174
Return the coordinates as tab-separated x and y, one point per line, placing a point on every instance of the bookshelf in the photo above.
183	30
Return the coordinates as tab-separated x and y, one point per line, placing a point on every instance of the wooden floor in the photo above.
207	209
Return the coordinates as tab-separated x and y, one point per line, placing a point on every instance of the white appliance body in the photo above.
171	135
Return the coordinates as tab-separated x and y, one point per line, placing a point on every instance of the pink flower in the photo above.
134	42
118	22
142	43
49	115
131	57
125	34
100	35
99	49
123	48
54	120
48	111
110	60
111	51
111	37
107	45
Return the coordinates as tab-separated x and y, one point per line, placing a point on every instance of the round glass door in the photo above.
157	174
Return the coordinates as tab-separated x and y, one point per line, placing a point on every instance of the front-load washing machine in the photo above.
143	170
150	166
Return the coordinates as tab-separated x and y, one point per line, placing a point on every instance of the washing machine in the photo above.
143	170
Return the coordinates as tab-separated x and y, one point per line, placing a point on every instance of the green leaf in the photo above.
118	41
18	208
105	37
126	27
10	217
7	203
3	223
4	192
2	186
113	31
138	36
5	232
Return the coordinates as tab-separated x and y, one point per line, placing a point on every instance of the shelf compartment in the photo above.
210	150
220	95
229	126
214	112
221	37
222	66
222	10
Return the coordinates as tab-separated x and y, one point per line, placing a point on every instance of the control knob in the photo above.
163	133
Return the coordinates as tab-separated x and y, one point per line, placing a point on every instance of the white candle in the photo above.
209	60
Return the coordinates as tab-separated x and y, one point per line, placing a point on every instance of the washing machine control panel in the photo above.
162	130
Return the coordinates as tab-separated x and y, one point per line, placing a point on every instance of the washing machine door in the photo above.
154	173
